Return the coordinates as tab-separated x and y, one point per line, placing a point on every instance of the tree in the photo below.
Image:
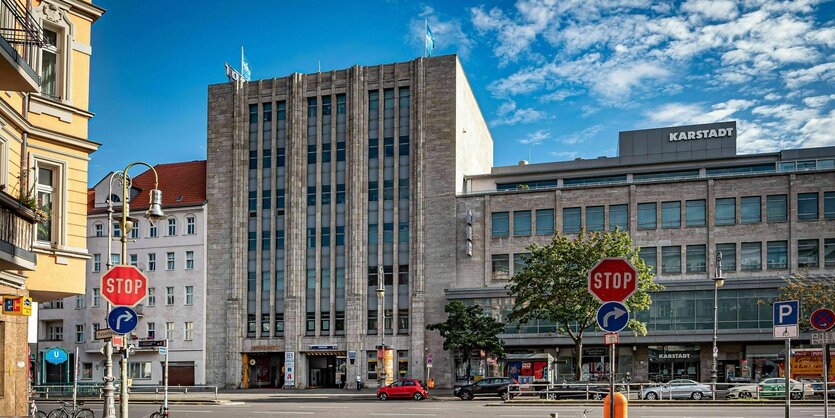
553	285
468	328
813	294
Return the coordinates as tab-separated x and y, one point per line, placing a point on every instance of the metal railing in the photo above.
22	33
96	391
16	223
596	391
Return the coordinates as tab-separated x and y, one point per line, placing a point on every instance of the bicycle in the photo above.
33	410
162	413
74	412
585	411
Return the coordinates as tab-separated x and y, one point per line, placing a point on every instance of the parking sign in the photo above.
786	312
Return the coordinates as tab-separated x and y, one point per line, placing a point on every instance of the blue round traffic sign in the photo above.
612	316
822	319
55	355
122	319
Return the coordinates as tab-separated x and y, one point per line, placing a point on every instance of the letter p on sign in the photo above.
786	312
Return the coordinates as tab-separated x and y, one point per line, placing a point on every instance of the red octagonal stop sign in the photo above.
124	286
613	280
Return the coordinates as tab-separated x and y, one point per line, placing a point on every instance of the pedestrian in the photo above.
359	382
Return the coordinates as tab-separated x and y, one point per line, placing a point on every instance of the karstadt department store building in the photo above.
318	180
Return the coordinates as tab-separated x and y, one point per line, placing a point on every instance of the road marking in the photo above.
191	411
389	414
282	412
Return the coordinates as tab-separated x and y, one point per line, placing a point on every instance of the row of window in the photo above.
150	332
133	259
150	300
725	213
136	370
170	228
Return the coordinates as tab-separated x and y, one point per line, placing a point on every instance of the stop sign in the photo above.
124	286
613	280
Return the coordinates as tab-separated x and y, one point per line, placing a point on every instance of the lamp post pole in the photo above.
718	281
381	326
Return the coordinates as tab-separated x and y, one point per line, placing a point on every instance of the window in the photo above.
402	320
96	263
807	206
79	302
134	232
751	256
55	333
521	223
647	215
172	226
501	267
190	225
751	209
778	255
671	259
371	357
728	256
115	259
116	230
670	214
650	257
695	212
96	297
807	253
501	224
152	262
726	211
189	295
829	252
595	218
619	217
169	296
79	333
86	371
139	370
50	64
696	256
829	205
134	259
169	262
151	330
571	220
188	331
169	331
311	322
152	231
519	262
99	230
46	190
775	208
189	260
152	297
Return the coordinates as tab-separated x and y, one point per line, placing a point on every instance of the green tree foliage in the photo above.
553	286
468	328
813	294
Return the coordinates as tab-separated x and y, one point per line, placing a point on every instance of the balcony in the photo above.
20	41
16	229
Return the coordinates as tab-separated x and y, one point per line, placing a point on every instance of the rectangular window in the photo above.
55	333
776	208
79	302
726	211
152	297
96	263
372	364
807	253
190	225
595	218
696	256
134	232
751	256
46	188
521	223
134	259
829	252
140	370
519	262
188	331
172	227
671	259
151	329
571	220
778	255
169	331
647	217
115	259
99	230
619	217
695	212
169	261
189	260
728	256
402	320
86	371
670	214
829	205
79	333
152	262
807	206
501	224
169	296
189	295
501	267
49	64
117	231
545	222
751	209
152	231
650	257
96	297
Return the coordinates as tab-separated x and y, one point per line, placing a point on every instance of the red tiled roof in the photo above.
182	184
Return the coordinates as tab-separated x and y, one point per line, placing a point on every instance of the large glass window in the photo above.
726	211
595	218
751	209
521	223
728	256
778	255
619	217
751	256
571	220
829	252
501	224
545	222
501	267
807	206
671	259
695	212
650	257
519	262
829	205
670	214
807	253
647	215
696	256
775	208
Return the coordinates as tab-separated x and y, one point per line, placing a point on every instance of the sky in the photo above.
555	80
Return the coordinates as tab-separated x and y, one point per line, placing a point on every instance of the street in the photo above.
340	408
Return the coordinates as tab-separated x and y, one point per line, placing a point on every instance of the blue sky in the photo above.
556	80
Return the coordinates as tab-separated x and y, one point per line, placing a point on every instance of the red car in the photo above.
404	388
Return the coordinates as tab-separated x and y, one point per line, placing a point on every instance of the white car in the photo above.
677	389
774	387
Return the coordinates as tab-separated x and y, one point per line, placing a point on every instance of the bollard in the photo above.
621	406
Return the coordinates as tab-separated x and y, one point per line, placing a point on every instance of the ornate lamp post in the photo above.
718	281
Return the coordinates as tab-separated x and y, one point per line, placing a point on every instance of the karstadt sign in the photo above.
701	134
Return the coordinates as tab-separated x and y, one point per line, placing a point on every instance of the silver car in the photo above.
677	389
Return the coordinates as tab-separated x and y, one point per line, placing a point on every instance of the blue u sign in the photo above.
55	355
786	312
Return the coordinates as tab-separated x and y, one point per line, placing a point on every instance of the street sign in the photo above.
124	286
429	360
118	341
163	350
151	343
613	280
610	338
17	305
104	334
612	316
785	332
122	319
822	319
823	338
786	312
55	355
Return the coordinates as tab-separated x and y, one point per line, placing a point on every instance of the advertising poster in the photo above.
389	364
289	369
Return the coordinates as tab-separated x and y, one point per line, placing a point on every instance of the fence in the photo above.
96	391
595	391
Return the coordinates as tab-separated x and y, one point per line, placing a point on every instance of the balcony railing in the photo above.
16	233
21	36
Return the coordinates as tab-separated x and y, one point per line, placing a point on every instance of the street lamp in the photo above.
381	326
718	281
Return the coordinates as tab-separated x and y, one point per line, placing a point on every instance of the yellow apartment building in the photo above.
45	51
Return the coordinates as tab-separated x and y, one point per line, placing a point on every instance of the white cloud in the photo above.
692	113
536	137
818	101
712	9
566	155
515	34
509	114
580	136
449	35
620	81
820	72
818	131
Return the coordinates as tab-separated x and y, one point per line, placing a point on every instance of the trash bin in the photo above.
431	384
621	406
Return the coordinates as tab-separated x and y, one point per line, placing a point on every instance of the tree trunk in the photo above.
467	365
578	345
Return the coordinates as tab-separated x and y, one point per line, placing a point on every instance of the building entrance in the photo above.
326	369
262	370
673	362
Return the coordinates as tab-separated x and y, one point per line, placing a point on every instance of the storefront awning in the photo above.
324	353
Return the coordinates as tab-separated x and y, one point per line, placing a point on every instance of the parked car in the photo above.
491	386
577	390
677	389
774	387
818	387
403	389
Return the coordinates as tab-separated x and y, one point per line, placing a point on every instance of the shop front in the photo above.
668	362
762	362
261	370
530	368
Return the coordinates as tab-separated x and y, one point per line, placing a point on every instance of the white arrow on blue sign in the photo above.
612	316
122	319
786	312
